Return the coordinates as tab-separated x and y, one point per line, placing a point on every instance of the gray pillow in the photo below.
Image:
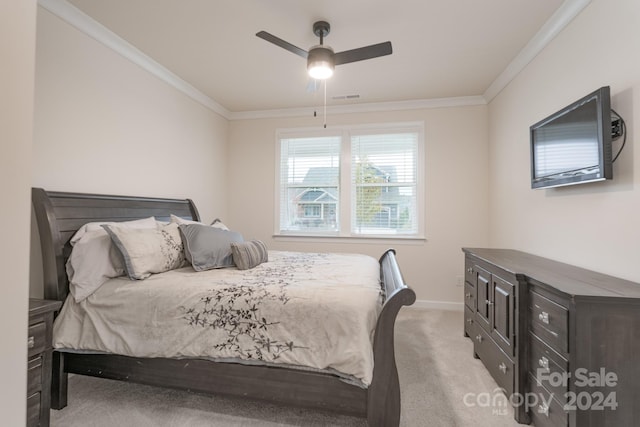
207	247
249	254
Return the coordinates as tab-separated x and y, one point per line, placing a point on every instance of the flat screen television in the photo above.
573	145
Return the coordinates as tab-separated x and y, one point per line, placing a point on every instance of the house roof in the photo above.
328	195
321	176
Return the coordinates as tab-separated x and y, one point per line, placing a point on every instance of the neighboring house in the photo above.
316	203
379	206
316	208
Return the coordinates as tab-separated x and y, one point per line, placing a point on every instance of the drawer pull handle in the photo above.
468	295
544	317
31	342
543	409
469	270
503	368
469	321
489	302
544	363
479	338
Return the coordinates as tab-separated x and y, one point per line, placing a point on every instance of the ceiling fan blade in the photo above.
283	44
367	52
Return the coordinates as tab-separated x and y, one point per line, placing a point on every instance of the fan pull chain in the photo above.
325	104
315	111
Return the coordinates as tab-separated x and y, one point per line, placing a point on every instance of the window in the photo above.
384	181
355	182
309	175
312	211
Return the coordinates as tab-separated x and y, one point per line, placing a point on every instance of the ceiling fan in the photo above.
321	59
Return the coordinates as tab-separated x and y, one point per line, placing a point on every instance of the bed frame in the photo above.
60	214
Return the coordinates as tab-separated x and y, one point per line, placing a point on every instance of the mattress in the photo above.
313	311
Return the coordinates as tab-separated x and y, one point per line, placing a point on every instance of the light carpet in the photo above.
441	383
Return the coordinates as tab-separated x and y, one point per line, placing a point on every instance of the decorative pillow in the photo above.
148	251
249	254
92	226
180	221
207	247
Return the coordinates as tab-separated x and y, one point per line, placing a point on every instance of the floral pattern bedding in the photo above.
306	310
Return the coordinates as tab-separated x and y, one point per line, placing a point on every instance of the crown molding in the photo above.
558	21
417	104
89	26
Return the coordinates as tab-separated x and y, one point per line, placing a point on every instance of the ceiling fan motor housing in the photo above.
320	64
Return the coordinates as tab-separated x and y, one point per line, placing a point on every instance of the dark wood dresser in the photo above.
562	341
39	360
494	306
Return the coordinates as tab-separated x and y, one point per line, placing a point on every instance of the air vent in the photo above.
340	97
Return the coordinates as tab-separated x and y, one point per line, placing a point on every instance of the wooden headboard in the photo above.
59	215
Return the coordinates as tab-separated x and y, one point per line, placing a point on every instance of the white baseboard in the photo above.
438	305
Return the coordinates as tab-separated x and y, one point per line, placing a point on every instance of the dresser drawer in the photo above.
37	340
33	410
34	375
549	321
549	368
470	295
547	412
469	320
495	360
469	275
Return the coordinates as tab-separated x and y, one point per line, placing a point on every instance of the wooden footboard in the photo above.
383	402
59	215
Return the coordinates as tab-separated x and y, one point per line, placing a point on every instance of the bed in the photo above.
59	215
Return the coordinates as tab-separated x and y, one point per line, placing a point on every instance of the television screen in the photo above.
573	146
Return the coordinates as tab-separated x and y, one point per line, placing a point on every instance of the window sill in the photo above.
377	239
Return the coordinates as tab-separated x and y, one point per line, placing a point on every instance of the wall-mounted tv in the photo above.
573	145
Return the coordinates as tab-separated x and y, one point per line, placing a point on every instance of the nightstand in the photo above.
41	314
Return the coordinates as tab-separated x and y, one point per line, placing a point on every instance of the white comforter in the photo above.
310	310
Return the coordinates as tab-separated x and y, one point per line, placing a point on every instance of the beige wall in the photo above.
104	125
592	225
17	50
96	110
456	192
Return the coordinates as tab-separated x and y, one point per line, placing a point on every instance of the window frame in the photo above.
346	191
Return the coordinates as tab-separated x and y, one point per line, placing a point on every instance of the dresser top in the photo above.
569	279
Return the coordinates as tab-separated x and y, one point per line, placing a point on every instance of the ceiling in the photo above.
441	48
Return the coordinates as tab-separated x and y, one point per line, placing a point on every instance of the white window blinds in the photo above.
362	181
309	184
384	179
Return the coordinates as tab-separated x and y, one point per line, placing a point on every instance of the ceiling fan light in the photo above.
320	62
320	70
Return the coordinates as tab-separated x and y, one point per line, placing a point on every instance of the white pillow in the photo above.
148	251
218	224
94	259
92	226
181	221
